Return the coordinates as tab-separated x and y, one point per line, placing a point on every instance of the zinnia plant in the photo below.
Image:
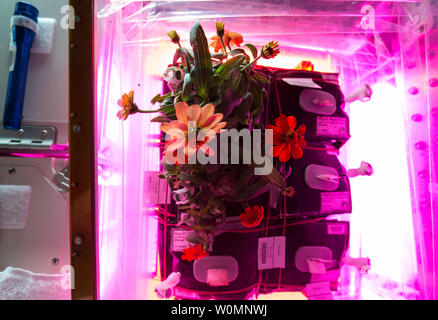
208	92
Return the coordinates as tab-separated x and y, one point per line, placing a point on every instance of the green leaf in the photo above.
219	56
225	70
232	92
195	238
190	177
182	52
256	90
160	119
203	227
202	61
255	112
253	49
243	109
170	168
160	98
167	110
260	78
244	176
237	51
275	178
187	87
251	191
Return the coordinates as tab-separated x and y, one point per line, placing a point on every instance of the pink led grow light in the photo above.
384	132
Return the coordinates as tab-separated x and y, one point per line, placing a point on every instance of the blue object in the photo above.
23	39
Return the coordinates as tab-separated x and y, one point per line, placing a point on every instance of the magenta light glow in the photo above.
133	53
381	222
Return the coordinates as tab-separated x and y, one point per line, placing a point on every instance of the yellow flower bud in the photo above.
220	29
270	50
174	36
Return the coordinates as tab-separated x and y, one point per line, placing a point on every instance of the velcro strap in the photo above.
22	21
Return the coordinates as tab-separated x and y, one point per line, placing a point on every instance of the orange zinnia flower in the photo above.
229	38
128	106
287	141
288	191
252	216
203	120
194	253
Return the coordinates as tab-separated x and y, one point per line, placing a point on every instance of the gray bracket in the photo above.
28	137
62	179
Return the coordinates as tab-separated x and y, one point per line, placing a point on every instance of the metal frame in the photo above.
82	152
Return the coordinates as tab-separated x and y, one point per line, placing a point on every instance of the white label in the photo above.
335	202
318	289
332	78
327	296
179	242
271	253
331	126
155	188
302	82
336	228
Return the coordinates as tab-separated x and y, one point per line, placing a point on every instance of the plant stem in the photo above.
223	44
147	111
254	61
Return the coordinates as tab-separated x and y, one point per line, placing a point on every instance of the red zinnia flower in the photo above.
194	253
287	141
252	216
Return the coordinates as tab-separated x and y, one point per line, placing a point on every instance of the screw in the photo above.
20	132
74	184
12	171
78	241
417	117
74	254
77	128
421	145
55	261
44	133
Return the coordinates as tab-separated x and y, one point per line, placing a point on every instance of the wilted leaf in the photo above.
195	238
182	52
237	51
160	98
160	119
190	177
275	178
219	56
253	49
